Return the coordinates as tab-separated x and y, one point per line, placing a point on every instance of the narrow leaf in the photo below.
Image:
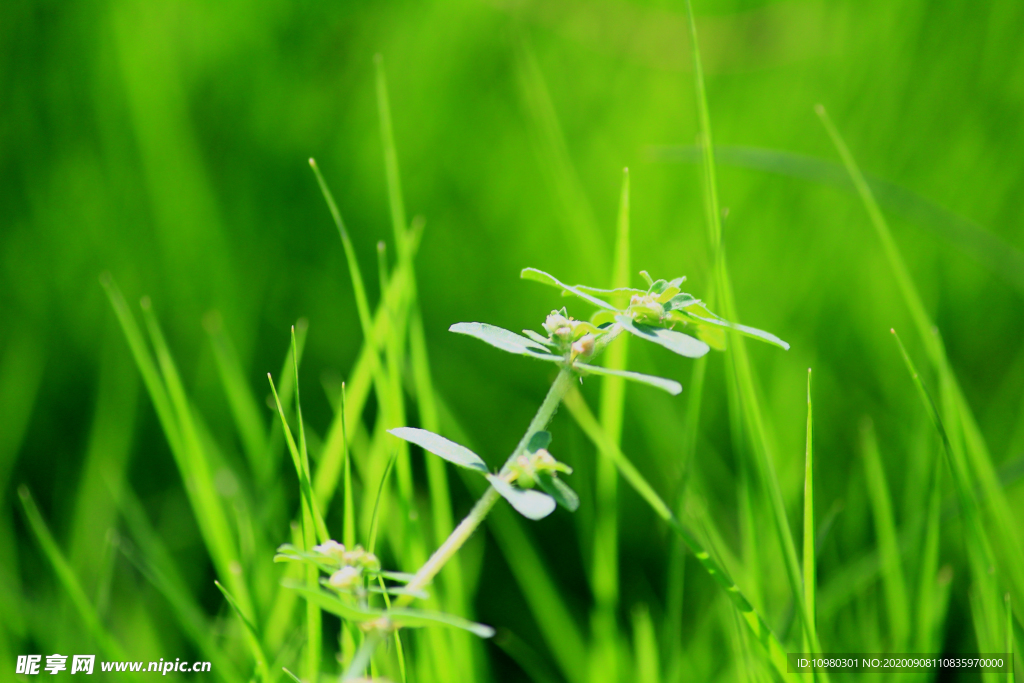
421	618
504	339
539	440
670	385
560	491
707	317
545	278
677	342
441	447
530	504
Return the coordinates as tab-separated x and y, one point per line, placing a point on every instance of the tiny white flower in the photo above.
331	548
346	577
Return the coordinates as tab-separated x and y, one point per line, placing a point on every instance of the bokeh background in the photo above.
167	143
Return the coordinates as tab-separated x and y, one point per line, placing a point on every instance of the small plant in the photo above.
343	580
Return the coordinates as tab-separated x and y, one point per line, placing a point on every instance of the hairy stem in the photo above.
563	382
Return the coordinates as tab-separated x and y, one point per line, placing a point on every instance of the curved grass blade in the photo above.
505	340
310	504
979	549
253	637
67	576
957	413
547	279
670	385
676	342
530	504
441	447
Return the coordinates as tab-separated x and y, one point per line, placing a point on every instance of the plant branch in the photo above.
563	382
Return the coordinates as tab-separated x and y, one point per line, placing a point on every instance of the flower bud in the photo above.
332	549
555	323
584	346
346	577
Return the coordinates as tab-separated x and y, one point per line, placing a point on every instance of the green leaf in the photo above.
698	312
441	447
400	617
530	504
611	292
559	490
539	338
505	340
677	342
538	441
420	618
670	385
542	277
333	604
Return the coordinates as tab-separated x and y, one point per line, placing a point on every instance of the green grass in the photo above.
717	530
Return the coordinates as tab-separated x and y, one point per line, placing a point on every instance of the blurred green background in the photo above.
167	143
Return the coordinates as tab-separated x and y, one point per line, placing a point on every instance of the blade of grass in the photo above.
1009	636
253	636
927	610
396	204
979	553
677	560
197	472
451	579
604	573
67	577
956	412
809	557
757	625
396	300
106	458
314	623
245	409
556	162
154	561
310	529
897	607
738	356
21	371
645	646
438	654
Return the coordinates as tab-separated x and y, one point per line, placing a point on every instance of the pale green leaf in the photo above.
530	504
677	342
505	340
545	278
670	385
441	447
560	491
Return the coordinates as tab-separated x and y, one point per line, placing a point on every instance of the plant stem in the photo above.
563	382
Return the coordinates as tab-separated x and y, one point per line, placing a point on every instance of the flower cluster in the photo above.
528	467
576	338
348	565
